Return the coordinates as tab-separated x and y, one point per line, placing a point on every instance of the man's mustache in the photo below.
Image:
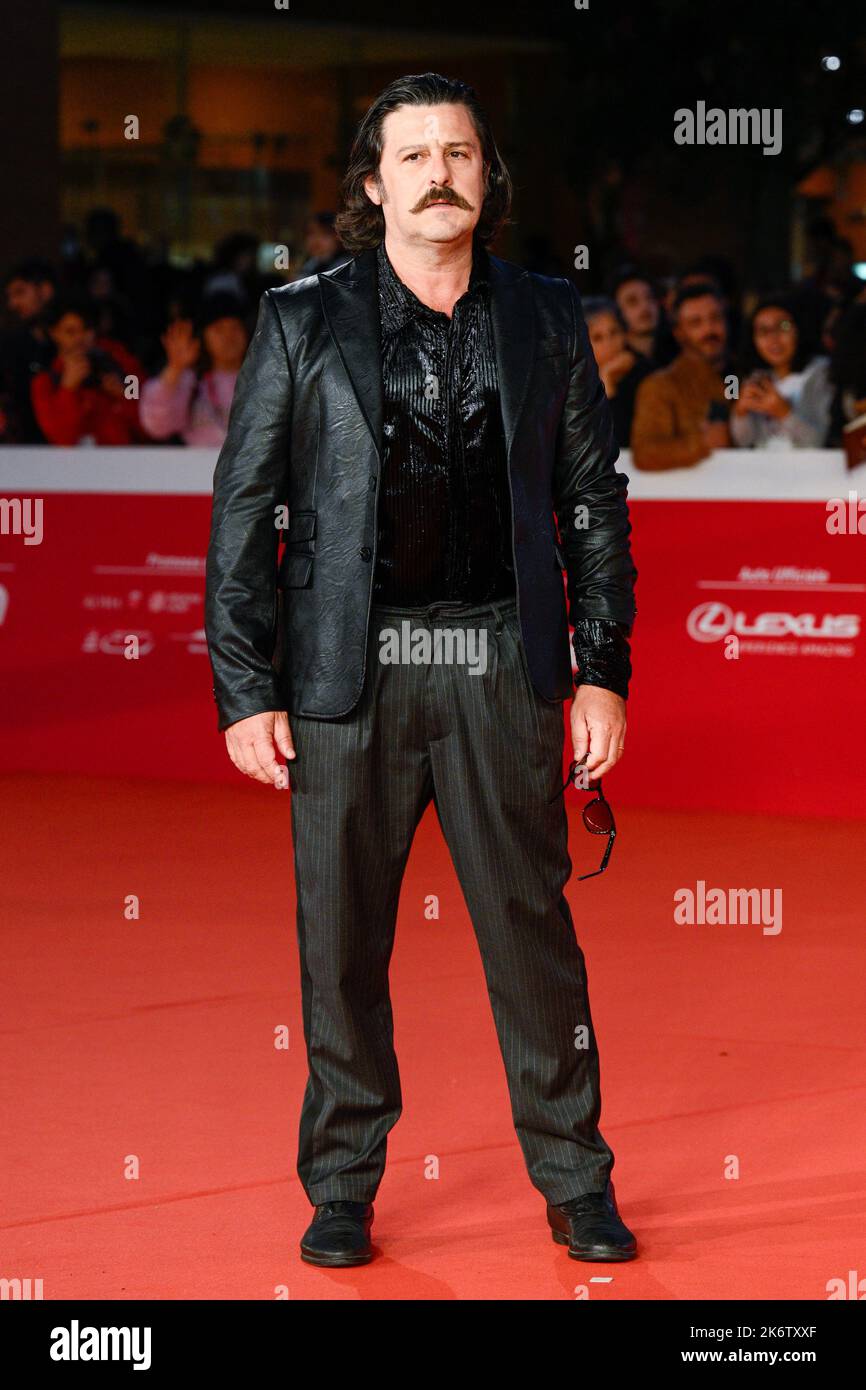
442	195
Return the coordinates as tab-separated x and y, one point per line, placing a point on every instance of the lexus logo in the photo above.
710	622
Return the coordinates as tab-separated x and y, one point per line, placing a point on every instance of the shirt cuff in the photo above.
603	654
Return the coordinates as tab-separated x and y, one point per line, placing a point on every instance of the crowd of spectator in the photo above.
688	365
110	347
686	373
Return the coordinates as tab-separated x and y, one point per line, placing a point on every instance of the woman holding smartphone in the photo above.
784	402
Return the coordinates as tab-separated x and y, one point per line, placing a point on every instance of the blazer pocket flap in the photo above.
295	570
302	526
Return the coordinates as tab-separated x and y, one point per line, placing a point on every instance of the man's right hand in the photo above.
250	743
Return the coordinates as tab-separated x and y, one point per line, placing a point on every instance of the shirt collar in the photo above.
397	302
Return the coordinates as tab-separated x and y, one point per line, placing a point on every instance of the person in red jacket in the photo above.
86	395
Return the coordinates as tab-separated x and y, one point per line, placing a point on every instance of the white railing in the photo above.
729	474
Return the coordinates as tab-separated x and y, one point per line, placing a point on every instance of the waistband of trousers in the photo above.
450	610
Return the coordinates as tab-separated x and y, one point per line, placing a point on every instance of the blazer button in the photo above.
366	553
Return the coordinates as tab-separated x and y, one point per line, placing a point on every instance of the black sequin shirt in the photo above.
444	504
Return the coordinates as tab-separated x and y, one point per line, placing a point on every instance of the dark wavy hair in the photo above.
361	224
795	308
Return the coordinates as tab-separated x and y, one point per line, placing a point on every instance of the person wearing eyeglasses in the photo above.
786	398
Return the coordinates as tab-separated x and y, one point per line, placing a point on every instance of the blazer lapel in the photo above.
513	317
351	308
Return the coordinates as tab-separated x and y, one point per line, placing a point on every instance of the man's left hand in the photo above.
597	729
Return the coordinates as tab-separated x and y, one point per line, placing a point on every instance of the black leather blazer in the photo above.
305	439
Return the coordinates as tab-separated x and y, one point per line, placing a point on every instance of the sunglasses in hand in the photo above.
597	816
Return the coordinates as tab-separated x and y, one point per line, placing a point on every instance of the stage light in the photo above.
859	269
855	116
831	63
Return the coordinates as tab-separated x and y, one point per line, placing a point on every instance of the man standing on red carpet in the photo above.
429	415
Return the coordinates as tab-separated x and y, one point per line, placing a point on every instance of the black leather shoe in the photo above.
591	1227
339	1234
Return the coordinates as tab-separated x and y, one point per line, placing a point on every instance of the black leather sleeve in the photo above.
603	655
589	498
250	482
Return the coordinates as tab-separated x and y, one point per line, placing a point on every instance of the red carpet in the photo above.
155	1039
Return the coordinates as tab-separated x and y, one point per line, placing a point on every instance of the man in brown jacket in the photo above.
680	411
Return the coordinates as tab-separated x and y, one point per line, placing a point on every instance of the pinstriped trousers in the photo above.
476	737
